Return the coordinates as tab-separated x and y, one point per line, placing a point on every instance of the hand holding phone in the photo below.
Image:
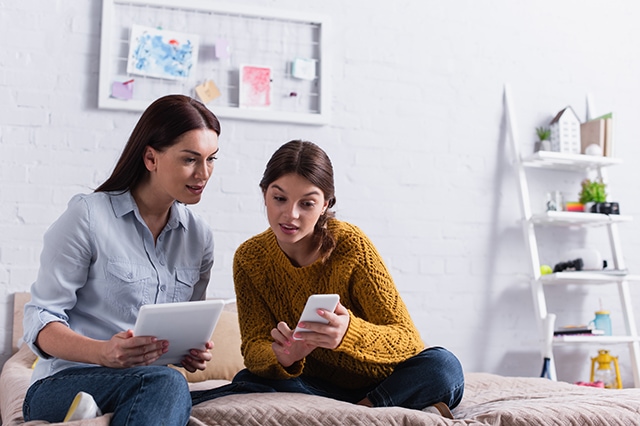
327	302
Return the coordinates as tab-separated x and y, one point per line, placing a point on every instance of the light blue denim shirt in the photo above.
99	264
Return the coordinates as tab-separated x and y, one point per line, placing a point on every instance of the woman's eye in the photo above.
212	158
309	204
278	198
189	160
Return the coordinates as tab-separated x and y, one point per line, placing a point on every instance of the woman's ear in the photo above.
149	158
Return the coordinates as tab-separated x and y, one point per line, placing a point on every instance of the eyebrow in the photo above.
197	153
305	195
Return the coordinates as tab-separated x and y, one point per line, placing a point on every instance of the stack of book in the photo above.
568	330
599	132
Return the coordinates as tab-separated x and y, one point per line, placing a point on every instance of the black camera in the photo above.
573	265
605	208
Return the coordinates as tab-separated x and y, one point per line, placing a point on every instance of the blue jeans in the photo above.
151	395
434	375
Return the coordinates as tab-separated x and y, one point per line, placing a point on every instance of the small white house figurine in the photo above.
565	132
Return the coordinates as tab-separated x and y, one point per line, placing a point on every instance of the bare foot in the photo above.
365	401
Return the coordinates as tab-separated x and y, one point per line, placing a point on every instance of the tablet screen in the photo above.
186	325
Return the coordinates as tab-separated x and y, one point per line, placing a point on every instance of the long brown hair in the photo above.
308	160
159	127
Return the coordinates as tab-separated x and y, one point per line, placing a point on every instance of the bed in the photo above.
489	399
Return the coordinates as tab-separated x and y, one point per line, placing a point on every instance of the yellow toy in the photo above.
611	379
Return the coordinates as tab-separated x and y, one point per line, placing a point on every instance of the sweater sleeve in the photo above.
381	330
256	322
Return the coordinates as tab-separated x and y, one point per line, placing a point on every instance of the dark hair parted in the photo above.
308	160
160	126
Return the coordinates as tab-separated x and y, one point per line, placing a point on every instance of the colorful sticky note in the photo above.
207	91
222	48
304	69
122	90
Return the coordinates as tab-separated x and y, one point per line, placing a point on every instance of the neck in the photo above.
154	212
302	253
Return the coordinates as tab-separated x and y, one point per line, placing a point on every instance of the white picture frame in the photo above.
300	101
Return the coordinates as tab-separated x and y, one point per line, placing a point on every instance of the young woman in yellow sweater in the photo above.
370	352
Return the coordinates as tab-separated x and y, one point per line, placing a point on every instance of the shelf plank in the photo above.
564	161
563	218
586	277
586	339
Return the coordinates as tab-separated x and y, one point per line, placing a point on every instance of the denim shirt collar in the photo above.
123	203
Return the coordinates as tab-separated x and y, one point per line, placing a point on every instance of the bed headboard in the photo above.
19	300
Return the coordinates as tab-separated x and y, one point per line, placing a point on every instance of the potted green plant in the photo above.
544	136
592	192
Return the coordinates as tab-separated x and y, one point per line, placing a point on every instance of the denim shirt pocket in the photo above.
186	278
127	282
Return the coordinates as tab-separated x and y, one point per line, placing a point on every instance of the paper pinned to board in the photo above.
122	90
222	48
154	52
304	69
207	91
255	86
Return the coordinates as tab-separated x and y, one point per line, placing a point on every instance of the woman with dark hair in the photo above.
131	242
370	352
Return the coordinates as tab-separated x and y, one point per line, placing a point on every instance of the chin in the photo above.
189	200
289	238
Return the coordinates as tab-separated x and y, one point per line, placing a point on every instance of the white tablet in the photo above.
186	325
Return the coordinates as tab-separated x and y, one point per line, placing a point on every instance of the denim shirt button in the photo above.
129	275
162	262
163	287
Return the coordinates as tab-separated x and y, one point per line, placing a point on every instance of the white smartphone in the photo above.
327	302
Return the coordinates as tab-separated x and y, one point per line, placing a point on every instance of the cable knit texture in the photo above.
270	289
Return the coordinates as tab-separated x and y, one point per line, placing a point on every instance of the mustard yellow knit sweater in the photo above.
270	289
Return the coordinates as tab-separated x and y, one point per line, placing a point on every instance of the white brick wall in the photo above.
417	140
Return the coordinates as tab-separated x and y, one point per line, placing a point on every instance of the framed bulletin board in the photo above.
242	62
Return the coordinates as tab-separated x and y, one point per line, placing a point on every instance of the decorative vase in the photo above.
542	146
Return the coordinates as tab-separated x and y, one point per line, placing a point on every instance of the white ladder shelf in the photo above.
577	163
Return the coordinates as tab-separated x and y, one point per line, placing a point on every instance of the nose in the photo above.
203	171
291	211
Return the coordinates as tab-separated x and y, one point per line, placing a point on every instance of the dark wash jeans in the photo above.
151	395
434	375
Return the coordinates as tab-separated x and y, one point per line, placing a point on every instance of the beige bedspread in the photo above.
489	400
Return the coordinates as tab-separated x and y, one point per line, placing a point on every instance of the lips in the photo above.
195	189
288	229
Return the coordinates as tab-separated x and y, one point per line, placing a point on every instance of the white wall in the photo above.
418	142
